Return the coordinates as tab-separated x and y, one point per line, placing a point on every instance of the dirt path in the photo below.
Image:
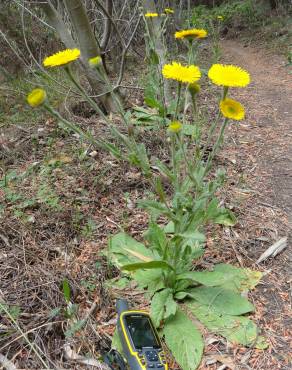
269	110
261	147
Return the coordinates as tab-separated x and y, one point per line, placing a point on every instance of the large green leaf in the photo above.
152	279
238	279
222	301
237	329
184	340
124	250
225	276
147	266
162	306
207	278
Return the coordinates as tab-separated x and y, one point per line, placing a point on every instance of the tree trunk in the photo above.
86	40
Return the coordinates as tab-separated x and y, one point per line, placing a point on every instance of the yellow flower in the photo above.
36	97
175	126
232	109
228	75
61	58
169	11
191	34
93	62
151	15
220	17
178	72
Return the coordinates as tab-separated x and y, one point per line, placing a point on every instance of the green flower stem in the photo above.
85	134
187	163
103	76
174	162
216	147
225	91
177	101
84	94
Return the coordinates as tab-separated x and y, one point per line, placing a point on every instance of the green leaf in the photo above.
189	130
74	328
153	205
237	329
150	279
238	279
66	290
184	340
170	307
156	237
154	58
180	295
225	217
169	228
147	265
220	300
207	278
158	304
116	342
124	250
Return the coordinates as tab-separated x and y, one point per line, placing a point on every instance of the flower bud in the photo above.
36	97
194	88
175	127
95	61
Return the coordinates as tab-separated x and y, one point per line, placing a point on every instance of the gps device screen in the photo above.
141	332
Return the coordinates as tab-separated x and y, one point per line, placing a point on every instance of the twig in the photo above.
273	250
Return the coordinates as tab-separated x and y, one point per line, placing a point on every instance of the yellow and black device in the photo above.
141	344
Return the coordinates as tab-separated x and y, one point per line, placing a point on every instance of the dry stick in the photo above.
106	13
24	335
122	68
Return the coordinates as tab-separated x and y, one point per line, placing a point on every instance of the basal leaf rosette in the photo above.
62	58
194	33
185	74
36	97
228	75
232	109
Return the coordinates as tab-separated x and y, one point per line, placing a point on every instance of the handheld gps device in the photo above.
141	344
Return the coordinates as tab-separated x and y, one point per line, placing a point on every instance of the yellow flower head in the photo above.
195	33
178	72
93	62
232	109
151	15
175	126
228	75
61	58
36	97
169	11
220	17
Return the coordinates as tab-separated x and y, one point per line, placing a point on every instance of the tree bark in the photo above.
86	40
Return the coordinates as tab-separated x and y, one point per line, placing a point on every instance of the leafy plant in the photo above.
165	262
